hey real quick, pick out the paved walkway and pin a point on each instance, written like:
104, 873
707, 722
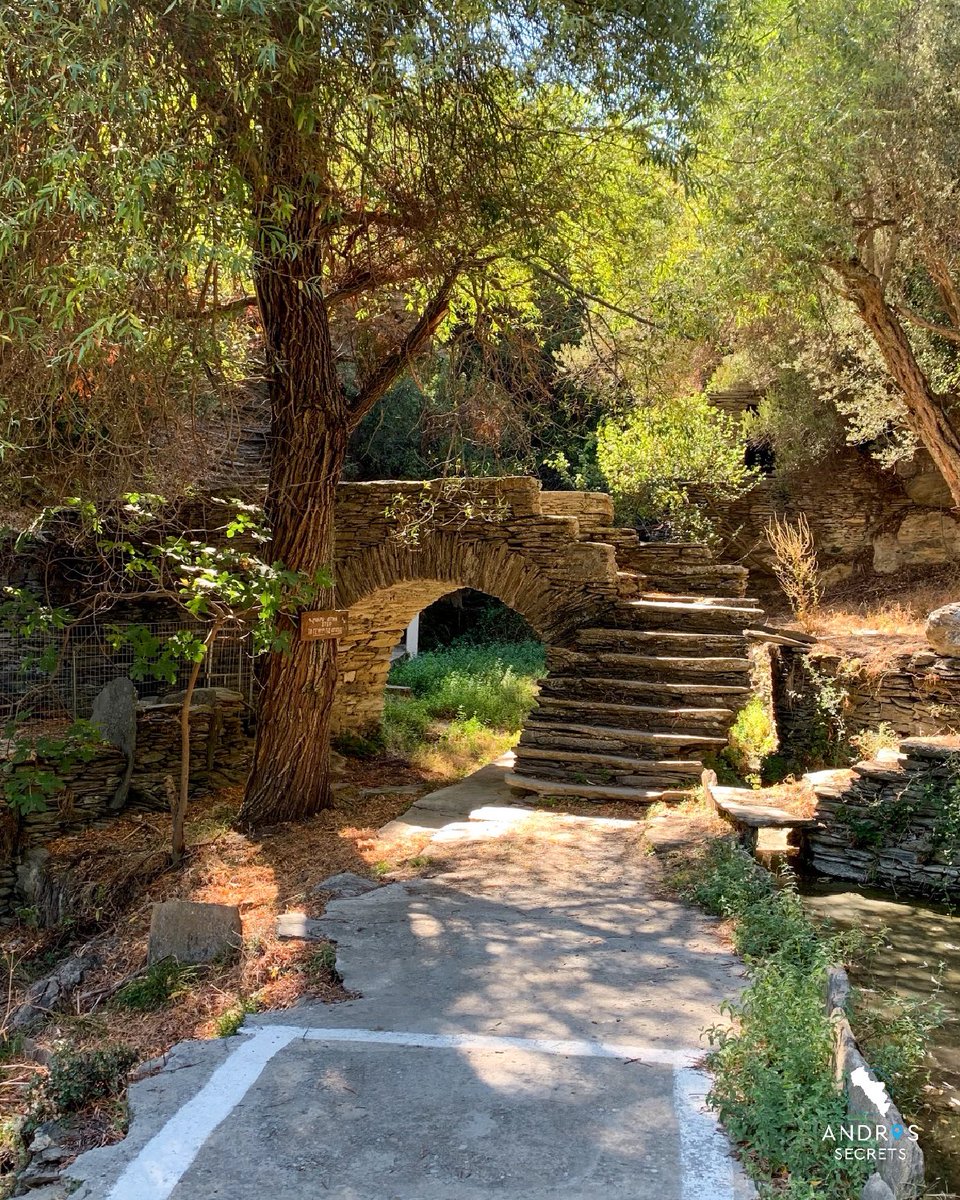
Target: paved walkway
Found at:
528, 1026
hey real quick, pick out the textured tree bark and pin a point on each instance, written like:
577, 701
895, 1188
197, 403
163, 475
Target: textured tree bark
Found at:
926, 407
290, 778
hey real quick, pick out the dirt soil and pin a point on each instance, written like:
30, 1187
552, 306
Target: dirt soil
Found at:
120, 870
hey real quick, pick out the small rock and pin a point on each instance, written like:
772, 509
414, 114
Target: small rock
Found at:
346, 884
876, 1189
943, 630
296, 925
190, 932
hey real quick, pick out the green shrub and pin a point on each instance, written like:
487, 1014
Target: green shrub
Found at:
163, 981
495, 683
753, 736
230, 1020
774, 1086
651, 458
893, 1032
78, 1078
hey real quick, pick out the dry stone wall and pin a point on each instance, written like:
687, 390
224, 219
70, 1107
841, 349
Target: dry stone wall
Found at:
864, 519
893, 822
219, 755
401, 546
825, 693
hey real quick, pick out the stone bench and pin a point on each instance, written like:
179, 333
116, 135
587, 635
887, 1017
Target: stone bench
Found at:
736, 807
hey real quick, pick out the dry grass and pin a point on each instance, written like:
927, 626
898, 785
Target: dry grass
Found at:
263, 876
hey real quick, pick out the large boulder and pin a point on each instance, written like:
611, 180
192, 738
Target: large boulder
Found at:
190, 932
943, 630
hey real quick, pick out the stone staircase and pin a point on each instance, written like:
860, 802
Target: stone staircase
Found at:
633, 702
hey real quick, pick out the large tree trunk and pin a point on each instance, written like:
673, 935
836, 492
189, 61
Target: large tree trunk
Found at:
926, 407
310, 431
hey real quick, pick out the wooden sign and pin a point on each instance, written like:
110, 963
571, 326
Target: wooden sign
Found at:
323, 626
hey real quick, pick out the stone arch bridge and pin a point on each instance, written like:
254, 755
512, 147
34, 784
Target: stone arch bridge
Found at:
646, 657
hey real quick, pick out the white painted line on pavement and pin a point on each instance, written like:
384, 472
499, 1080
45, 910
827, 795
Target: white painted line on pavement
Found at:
580, 1048
163, 1161
706, 1165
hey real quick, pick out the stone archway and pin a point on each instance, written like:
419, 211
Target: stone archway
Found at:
493, 537
646, 658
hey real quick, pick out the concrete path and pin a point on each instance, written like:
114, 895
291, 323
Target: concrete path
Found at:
528, 1025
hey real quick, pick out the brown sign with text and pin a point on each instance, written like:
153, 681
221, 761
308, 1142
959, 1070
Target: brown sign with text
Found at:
323, 626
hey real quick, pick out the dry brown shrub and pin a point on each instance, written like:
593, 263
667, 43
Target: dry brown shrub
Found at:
795, 565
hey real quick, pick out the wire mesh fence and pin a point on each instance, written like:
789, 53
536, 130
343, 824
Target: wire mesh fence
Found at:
58, 675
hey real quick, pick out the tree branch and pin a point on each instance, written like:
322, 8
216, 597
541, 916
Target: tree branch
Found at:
223, 310
944, 331
555, 277
392, 365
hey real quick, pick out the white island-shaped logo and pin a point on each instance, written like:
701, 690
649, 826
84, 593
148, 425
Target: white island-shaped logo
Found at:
873, 1089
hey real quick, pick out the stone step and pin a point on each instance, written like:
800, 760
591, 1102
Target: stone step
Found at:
608, 739
683, 616
653, 592
674, 642
653, 768
721, 580
635, 716
586, 791
610, 687
676, 552
653, 669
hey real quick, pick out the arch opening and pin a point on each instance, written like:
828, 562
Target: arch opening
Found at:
376, 627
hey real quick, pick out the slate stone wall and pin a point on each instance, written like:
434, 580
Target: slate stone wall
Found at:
892, 823
915, 694
219, 755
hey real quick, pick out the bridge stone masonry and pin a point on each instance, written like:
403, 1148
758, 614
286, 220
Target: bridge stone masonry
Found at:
646, 655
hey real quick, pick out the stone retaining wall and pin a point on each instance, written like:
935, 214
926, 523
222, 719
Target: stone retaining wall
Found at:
825, 693
893, 822
219, 755
899, 1173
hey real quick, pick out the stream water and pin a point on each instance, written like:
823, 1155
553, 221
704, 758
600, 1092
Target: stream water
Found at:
922, 941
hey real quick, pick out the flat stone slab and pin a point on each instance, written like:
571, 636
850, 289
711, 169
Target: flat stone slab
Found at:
346, 883
194, 933
759, 816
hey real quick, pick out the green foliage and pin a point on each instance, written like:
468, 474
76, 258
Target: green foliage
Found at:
26, 617
658, 452
162, 982
774, 1086
32, 774
494, 684
831, 159
183, 151
230, 1020
478, 692
894, 1034
887, 820
869, 742
321, 966
79, 1078
753, 736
